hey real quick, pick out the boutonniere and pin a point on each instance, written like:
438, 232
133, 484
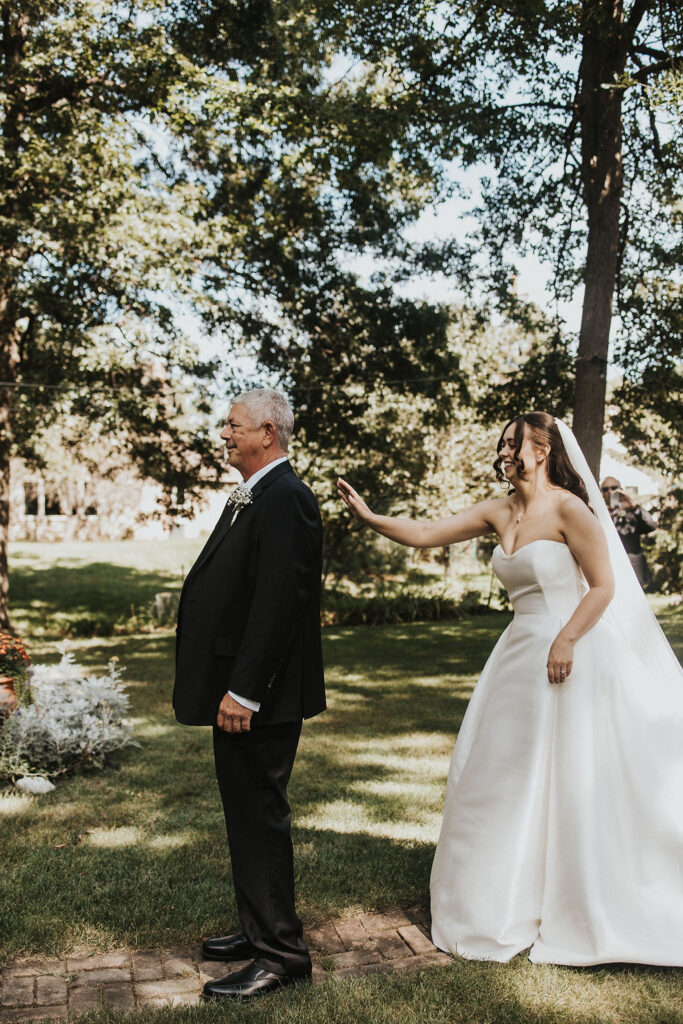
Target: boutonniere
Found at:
239, 499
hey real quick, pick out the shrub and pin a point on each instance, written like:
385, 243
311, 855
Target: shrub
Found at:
664, 549
403, 604
72, 719
87, 624
157, 614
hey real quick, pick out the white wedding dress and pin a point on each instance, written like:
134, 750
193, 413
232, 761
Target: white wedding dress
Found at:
563, 823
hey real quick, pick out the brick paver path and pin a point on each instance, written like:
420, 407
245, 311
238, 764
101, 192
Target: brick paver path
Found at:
123, 980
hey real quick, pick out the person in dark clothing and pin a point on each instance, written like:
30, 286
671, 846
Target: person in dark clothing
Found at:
249, 663
631, 522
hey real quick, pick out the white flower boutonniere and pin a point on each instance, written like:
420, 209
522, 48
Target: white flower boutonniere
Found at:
239, 499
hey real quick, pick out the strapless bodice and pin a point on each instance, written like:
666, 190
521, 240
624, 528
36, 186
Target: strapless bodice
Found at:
541, 578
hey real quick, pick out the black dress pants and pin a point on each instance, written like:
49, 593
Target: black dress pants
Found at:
253, 770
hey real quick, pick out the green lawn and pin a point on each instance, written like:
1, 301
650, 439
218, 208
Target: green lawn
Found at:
460, 993
135, 854
128, 855
53, 584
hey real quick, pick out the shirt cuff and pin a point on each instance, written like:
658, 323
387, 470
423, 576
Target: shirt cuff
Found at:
253, 705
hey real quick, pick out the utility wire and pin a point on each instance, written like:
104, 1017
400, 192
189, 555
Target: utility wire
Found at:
76, 386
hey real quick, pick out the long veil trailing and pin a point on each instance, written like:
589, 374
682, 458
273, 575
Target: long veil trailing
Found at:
629, 610
563, 819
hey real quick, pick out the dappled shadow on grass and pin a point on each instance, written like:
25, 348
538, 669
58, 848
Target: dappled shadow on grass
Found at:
62, 897
137, 852
45, 600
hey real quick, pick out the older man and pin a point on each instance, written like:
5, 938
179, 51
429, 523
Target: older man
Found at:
249, 663
631, 522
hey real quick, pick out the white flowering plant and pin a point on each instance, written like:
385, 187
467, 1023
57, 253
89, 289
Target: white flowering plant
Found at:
74, 718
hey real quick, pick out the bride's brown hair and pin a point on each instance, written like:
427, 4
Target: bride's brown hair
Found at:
543, 431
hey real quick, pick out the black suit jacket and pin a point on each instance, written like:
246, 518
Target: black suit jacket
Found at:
249, 614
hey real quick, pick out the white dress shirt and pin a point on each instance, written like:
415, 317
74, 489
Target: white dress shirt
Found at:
246, 702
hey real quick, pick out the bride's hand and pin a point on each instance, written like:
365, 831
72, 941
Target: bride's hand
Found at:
560, 659
353, 501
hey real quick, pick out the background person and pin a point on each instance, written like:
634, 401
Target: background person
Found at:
631, 522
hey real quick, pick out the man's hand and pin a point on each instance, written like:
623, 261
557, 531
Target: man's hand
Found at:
233, 716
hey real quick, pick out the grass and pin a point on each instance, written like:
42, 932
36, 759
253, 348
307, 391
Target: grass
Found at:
106, 859
460, 993
135, 854
52, 585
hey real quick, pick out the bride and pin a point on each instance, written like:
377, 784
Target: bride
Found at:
563, 821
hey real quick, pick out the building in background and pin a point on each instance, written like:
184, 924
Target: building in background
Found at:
71, 502
638, 482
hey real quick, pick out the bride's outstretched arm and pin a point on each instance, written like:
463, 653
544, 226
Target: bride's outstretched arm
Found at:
474, 522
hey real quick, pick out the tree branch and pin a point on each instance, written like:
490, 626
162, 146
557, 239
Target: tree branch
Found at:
648, 51
671, 63
638, 12
52, 90
547, 104
570, 132
656, 143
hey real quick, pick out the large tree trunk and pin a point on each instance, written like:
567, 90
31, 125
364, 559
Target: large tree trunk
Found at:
8, 371
14, 28
607, 38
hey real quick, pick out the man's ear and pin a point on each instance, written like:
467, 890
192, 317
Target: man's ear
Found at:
269, 436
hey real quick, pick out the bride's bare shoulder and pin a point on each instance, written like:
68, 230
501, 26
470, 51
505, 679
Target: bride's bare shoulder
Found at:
568, 499
498, 510
573, 510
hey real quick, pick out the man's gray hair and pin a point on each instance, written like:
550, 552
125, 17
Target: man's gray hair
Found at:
266, 404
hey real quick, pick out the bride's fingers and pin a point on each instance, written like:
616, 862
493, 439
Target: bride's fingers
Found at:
346, 490
346, 498
350, 502
349, 496
558, 672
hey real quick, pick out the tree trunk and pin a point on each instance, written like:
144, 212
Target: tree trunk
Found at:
605, 48
14, 28
9, 351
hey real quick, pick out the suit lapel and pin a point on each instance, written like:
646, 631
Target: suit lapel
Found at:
216, 533
225, 522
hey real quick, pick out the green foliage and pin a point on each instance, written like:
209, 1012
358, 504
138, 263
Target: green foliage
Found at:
96, 240
400, 602
313, 160
248, 160
408, 454
647, 414
665, 555
525, 92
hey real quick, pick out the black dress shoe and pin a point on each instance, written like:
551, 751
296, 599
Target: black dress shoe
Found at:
248, 983
228, 948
